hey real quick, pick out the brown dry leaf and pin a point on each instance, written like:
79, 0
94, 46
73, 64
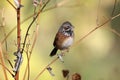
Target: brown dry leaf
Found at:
76, 76
65, 73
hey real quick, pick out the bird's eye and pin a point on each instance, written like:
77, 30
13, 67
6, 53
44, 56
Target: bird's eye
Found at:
67, 27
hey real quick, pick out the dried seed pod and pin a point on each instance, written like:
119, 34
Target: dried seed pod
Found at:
36, 3
76, 76
65, 73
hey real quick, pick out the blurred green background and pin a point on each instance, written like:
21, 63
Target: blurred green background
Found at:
97, 57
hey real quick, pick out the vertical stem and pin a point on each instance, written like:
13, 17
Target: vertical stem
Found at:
18, 36
17, 76
18, 29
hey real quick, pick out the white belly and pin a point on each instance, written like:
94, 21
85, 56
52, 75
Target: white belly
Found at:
67, 43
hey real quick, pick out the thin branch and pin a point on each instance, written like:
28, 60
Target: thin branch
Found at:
15, 28
7, 70
113, 10
92, 31
18, 35
29, 57
10, 63
11, 4
28, 68
55, 6
46, 68
34, 39
97, 20
114, 31
115, 16
6, 45
3, 26
96, 28
32, 24
2, 62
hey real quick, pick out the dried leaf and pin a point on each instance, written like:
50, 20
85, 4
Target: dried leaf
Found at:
76, 76
65, 73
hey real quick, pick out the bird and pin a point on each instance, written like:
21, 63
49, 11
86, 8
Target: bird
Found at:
64, 38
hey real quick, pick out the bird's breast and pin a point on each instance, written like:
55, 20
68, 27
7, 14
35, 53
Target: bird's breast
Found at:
67, 42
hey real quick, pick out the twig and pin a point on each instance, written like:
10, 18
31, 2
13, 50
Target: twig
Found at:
11, 4
46, 68
34, 38
29, 57
91, 31
10, 63
7, 70
28, 68
115, 16
15, 28
97, 28
26, 20
31, 25
18, 36
2, 62
3, 26
113, 10
6, 45
114, 31
97, 20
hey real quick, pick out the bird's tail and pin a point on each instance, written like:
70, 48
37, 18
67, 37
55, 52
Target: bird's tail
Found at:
54, 51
